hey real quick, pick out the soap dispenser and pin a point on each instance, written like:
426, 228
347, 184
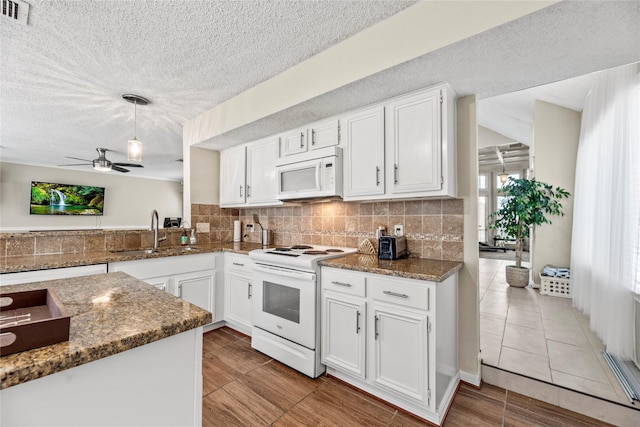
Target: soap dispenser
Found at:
192, 239
184, 239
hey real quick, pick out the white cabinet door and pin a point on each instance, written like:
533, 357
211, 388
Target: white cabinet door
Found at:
325, 134
414, 143
232, 176
364, 154
197, 288
294, 142
343, 333
239, 297
262, 182
400, 351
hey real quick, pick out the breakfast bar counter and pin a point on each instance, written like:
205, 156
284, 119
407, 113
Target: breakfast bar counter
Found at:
127, 340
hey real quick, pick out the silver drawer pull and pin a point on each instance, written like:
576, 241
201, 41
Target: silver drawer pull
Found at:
395, 294
348, 285
238, 264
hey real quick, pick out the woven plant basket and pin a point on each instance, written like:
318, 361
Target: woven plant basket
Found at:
517, 277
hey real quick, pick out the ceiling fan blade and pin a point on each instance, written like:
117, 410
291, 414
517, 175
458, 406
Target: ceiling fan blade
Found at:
119, 169
76, 158
77, 164
128, 165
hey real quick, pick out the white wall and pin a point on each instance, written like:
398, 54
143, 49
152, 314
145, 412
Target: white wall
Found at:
205, 176
555, 147
489, 138
468, 302
128, 200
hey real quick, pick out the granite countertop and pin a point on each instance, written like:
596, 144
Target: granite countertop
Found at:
433, 270
110, 313
15, 264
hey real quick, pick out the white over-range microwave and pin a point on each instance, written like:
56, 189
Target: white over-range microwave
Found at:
316, 174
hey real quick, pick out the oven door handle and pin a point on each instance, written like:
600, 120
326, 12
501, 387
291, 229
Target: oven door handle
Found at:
270, 269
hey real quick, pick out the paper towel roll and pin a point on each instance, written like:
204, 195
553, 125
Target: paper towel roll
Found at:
236, 231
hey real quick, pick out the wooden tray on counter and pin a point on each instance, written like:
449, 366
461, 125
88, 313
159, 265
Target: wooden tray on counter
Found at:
31, 319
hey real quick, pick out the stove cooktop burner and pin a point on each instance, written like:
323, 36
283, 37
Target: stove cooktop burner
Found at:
301, 247
315, 253
282, 249
334, 250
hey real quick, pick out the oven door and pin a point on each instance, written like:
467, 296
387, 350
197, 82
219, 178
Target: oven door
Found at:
284, 303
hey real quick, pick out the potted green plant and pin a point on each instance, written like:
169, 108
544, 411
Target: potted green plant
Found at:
528, 202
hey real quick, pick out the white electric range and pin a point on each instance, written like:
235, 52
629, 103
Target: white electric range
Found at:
286, 304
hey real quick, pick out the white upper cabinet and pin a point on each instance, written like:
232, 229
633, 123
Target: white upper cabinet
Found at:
232, 176
248, 174
261, 171
364, 153
405, 148
312, 137
324, 134
414, 141
294, 142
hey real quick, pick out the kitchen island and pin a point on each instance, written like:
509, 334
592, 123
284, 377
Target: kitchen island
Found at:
134, 357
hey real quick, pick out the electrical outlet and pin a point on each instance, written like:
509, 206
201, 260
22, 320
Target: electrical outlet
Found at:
249, 227
398, 230
202, 227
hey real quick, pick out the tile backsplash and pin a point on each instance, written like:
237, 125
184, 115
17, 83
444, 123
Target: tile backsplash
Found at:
434, 228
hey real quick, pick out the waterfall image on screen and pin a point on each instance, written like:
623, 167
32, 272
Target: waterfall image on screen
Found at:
49, 198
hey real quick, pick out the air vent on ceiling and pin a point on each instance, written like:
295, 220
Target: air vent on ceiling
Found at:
15, 10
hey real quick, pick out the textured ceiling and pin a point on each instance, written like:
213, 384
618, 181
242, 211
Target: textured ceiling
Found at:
62, 75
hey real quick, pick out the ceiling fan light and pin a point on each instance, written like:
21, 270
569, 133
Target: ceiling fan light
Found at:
134, 150
102, 165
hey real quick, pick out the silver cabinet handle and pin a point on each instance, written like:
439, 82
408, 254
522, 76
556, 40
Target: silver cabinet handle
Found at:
348, 285
241, 191
395, 173
313, 137
377, 176
357, 322
180, 291
395, 294
249, 291
248, 191
301, 140
238, 264
376, 327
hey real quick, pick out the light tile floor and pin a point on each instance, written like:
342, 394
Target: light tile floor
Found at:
540, 336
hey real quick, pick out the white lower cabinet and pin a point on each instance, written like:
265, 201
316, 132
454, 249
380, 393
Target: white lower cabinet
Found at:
190, 277
238, 292
51, 274
379, 334
344, 332
400, 351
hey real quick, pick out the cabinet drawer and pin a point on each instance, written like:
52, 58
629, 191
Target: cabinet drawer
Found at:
399, 292
238, 263
344, 281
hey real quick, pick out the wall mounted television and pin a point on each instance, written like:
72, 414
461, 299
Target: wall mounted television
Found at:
49, 198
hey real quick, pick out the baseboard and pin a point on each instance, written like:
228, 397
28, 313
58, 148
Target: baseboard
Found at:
600, 409
470, 378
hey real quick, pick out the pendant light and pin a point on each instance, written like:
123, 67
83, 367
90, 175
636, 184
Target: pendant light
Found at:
134, 147
503, 176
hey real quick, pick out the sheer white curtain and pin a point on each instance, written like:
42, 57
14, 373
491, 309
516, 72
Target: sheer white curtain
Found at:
606, 209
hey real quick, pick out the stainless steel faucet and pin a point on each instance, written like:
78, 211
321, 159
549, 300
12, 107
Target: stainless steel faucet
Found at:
154, 228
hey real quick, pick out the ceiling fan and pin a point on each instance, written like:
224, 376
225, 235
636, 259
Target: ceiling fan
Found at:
102, 164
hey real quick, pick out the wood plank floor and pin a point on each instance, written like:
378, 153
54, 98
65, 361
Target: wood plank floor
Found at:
243, 387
